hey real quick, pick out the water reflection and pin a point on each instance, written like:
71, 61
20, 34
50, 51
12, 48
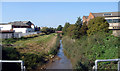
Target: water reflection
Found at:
63, 63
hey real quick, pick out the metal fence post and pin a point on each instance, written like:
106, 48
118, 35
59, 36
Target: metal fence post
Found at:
96, 65
1, 65
22, 66
118, 65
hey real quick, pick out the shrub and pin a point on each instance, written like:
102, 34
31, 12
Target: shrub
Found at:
84, 51
64, 30
97, 24
47, 30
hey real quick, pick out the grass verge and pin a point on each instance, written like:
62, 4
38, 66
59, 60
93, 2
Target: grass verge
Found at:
33, 50
84, 51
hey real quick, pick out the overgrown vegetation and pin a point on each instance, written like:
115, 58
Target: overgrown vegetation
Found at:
34, 51
47, 30
76, 30
97, 24
59, 28
84, 51
90, 43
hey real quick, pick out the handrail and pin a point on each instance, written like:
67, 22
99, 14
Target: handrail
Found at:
106, 60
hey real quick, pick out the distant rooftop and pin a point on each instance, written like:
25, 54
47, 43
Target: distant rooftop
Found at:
18, 23
86, 17
3, 23
105, 14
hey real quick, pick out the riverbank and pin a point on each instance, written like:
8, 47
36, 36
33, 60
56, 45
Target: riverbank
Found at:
33, 50
84, 51
60, 61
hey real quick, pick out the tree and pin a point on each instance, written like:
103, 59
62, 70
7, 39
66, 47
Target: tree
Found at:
47, 30
84, 29
97, 24
71, 31
64, 30
59, 28
79, 21
78, 25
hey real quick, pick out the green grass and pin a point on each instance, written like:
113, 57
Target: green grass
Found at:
32, 50
37, 40
84, 51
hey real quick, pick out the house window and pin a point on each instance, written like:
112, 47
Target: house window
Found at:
116, 20
109, 20
113, 20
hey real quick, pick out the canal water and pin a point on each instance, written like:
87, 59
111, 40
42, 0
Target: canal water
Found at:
62, 63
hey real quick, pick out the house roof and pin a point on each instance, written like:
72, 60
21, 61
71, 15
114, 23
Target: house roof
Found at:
86, 17
3, 23
108, 14
20, 23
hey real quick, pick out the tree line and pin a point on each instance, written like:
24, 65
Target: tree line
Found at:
48, 30
80, 29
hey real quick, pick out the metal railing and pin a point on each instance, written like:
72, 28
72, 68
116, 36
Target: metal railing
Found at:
14, 61
106, 60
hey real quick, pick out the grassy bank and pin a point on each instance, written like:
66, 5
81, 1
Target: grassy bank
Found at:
84, 51
34, 50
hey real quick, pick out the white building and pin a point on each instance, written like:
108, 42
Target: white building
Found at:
18, 26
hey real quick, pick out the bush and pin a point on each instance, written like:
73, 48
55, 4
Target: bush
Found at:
84, 51
32, 60
47, 30
64, 30
9, 53
71, 31
59, 28
97, 24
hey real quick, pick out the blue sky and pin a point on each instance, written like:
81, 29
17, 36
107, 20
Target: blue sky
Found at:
52, 14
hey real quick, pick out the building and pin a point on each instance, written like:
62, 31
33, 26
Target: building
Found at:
85, 18
18, 26
113, 18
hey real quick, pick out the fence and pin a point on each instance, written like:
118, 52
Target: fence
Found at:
14, 61
6, 35
106, 60
16, 34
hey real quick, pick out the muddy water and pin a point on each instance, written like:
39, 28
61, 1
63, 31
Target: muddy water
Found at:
62, 63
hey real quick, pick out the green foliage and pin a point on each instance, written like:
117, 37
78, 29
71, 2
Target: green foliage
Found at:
10, 53
78, 25
84, 29
71, 30
32, 59
97, 24
79, 22
59, 28
84, 51
75, 30
64, 30
47, 30
54, 50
